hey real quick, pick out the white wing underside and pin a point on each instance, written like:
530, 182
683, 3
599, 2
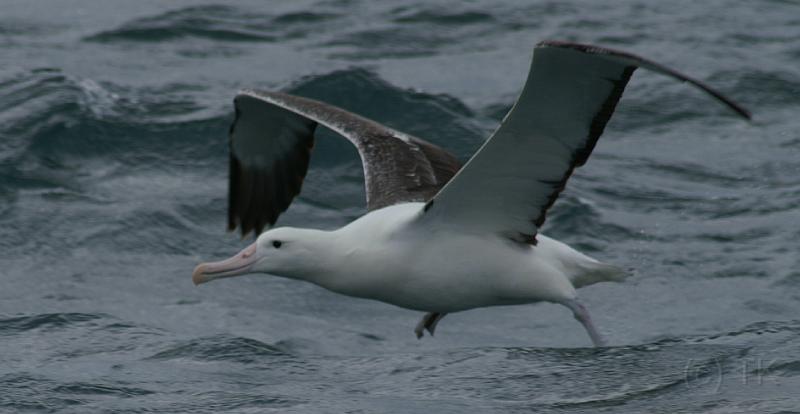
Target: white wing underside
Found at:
570, 94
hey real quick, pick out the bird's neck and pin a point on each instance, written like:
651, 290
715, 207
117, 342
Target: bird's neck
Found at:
332, 259
345, 260
316, 258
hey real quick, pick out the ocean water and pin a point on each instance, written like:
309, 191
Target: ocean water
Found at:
113, 175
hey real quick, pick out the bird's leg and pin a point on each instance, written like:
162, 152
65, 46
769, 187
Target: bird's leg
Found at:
428, 322
582, 316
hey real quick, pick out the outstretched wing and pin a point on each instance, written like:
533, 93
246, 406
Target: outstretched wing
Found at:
270, 146
509, 184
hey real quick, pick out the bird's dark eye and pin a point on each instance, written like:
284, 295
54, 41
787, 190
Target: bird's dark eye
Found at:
276, 244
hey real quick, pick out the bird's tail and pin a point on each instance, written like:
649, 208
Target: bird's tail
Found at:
594, 272
581, 269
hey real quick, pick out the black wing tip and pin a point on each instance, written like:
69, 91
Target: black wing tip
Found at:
648, 64
258, 196
232, 228
245, 230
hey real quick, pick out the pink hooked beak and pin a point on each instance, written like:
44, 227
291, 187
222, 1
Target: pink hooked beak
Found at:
237, 265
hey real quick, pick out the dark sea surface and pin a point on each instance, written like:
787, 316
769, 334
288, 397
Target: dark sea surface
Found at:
113, 185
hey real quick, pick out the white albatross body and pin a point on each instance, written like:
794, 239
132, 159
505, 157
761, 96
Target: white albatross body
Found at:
439, 237
428, 270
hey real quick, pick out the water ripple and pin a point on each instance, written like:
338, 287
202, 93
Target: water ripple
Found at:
21, 324
221, 348
215, 22
82, 388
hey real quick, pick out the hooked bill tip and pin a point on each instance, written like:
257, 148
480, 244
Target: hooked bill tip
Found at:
198, 275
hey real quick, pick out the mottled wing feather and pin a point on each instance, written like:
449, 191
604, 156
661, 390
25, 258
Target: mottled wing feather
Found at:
507, 187
271, 141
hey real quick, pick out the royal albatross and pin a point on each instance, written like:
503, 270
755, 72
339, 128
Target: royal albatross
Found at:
437, 238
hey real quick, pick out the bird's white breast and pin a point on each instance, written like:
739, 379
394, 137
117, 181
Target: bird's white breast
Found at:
389, 258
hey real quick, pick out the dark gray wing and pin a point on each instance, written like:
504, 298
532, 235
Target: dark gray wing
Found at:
507, 187
270, 146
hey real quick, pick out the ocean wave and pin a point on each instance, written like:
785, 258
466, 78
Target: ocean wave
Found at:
441, 17
573, 216
215, 22
25, 391
55, 122
784, 369
221, 348
389, 42
764, 88
755, 335
50, 114
417, 31
85, 388
220, 401
527, 379
52, 110
36, 100
632, 375
19, 28
22, 324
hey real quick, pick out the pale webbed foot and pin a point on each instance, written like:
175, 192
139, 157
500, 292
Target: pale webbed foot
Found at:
428, 322
582, 315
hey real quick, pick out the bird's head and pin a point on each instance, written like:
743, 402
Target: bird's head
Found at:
282, 251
